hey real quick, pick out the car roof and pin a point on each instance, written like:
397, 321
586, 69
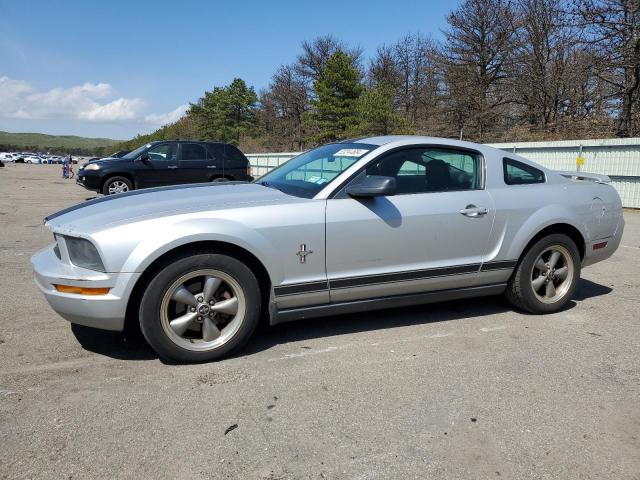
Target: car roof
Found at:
407, 140
187, 140
404, 139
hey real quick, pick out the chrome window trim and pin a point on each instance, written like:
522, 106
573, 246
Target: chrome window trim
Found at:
332, 191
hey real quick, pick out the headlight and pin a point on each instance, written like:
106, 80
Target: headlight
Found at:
92, 166
83, 253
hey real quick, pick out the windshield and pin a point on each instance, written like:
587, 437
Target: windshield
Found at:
307, 174
134, 154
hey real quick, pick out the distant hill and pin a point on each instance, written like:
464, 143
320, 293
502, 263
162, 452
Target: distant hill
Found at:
41, 141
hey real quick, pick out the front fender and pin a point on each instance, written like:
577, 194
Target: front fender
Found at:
160, 238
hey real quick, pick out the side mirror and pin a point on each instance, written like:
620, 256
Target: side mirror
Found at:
373, 186
144, 158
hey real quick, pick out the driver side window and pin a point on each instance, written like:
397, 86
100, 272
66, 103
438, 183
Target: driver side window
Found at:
165, 152
429, 169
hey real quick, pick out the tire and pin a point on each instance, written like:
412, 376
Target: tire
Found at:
220, 179
206, 330
528, 288
116, 185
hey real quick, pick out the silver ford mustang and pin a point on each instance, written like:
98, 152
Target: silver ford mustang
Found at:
365, 224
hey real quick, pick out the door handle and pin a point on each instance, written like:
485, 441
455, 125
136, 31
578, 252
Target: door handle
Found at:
212, 166
172, 167
473, 211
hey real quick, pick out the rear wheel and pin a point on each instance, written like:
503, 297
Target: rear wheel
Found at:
546, 277
116, 185
200, 308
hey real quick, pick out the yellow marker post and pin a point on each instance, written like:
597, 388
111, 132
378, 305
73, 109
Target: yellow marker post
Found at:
580, 159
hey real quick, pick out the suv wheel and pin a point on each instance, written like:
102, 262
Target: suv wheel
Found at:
200, 308
116, 185
547, 275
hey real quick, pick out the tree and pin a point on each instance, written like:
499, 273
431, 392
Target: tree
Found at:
478, 53
414, 56
316, 53
376, 113
383, 68
544, 49
226, 113
336, 92
613, 29
282, 109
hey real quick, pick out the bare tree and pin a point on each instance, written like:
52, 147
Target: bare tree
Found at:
478, 52
383, 69
315, 54
544, 46
613, 29
283, 107
414, 56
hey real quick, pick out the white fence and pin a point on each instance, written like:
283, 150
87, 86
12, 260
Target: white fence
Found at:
619, 158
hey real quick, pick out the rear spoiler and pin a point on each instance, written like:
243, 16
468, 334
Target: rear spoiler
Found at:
589, 177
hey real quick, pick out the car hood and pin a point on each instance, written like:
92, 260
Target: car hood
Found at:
105, 212
105, 161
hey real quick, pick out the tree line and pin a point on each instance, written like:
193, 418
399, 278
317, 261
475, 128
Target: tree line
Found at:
505, 70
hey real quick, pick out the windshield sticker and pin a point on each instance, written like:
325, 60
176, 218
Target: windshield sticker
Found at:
350, 152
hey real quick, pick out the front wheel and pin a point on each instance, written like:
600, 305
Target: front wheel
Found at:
546, 277
200, 308
115, 185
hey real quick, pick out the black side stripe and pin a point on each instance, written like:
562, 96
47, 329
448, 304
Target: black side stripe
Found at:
500, 265
298, 288
403, 276
351, 282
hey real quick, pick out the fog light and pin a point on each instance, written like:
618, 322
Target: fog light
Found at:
81, 290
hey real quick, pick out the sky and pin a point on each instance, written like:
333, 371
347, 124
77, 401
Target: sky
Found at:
115, 68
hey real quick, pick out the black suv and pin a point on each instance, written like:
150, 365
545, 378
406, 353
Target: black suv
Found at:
165, 163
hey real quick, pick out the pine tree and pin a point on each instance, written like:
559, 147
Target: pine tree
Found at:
376, 113
336, 90
226, 113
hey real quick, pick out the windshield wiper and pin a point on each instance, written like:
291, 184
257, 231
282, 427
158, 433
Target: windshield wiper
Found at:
266, 184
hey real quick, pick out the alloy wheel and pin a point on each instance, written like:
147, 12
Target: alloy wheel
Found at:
202, 310
118, 187
552, 274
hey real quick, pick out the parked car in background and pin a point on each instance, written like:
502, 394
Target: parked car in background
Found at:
33, 159
165, 163
380, 222
8, 157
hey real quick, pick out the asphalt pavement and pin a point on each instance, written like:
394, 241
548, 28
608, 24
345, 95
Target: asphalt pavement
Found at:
469, 389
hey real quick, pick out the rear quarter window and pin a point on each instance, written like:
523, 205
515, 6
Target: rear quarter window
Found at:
235, 157
518, 173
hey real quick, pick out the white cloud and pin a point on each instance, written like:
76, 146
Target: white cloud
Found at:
18, 99
89, 104
120, 109
160, 119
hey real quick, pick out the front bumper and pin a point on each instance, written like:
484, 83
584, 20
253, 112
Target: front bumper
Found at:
106, 312
89, 180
